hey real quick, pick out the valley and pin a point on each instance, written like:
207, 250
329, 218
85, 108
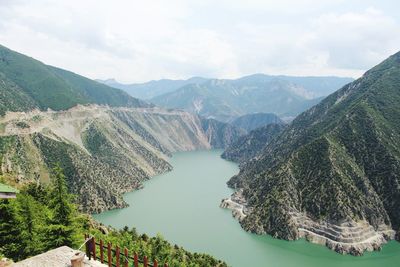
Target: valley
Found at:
104, 151
186, 212
315, 168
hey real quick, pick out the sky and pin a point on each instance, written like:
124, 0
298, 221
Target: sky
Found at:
137, 41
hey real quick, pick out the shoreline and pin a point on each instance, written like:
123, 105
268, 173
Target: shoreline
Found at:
353, 238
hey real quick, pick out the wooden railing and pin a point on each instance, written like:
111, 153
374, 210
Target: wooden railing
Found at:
115, 257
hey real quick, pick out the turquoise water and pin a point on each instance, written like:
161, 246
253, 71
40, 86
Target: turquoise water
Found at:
183, 205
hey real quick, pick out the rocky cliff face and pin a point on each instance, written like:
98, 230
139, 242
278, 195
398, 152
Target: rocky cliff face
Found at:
104, 151
333, 174
250, 145
221, 134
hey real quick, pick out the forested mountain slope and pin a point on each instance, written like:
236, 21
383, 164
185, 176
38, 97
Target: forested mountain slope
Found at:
26, 83
333, 175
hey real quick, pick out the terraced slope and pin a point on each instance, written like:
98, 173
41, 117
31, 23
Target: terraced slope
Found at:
336, 166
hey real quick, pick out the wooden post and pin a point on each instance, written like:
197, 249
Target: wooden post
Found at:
135, 260
117, 257
165, 265
155, 263
101, 251
87, 245
109, 255
126, 257
77, 259
94, 248
145, 263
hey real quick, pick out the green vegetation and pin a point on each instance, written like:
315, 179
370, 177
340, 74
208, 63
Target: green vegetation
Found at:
156, 248
39, 219
22, 125
26, 83
44, 217
338, 161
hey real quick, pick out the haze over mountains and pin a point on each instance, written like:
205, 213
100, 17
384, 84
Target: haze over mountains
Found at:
253, 121
333, 174
226, 100
152, 89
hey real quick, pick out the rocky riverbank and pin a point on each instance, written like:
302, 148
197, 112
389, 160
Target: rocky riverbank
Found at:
237, 203
348, 237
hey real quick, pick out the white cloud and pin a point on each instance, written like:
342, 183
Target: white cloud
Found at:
356, 40
143, 40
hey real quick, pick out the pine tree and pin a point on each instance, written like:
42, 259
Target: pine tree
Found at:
29, 223
10, 233
61, 228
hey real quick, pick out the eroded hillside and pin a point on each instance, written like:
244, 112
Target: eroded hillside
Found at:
104, 151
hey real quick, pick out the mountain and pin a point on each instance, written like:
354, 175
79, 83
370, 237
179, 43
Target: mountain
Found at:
26, 83
153, 88
104, 151
314, 86
226, 100
333, 174
219, 134
249, 146
250, 122
106, 141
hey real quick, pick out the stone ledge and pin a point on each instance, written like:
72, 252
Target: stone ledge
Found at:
59, 257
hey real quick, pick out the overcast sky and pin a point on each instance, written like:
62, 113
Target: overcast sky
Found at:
137, 41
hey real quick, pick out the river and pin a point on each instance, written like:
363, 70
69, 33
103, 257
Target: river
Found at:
183, 205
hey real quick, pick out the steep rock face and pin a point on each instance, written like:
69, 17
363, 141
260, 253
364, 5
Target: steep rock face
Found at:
337, 164
220, 134
104, 151
253, 121
250, 145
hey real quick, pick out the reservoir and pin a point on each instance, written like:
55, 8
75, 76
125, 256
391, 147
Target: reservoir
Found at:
183, 206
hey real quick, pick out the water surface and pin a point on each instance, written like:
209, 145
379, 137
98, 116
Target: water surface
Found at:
183, 205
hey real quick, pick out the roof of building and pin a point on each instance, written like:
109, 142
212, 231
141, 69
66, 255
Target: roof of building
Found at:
7, 189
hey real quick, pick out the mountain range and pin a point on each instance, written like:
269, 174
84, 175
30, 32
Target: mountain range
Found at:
152, 89
333, 174
225, 100
106, 141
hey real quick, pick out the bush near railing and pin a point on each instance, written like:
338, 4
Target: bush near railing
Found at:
115, 257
